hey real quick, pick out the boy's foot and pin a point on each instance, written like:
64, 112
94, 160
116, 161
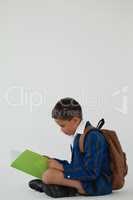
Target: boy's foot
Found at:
55, 191
37, 185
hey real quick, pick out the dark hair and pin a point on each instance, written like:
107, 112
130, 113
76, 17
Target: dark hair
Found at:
66, 109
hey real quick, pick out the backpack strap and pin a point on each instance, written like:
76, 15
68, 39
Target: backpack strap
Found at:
88, 128
100, 123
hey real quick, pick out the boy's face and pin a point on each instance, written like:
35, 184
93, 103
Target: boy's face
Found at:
68, 126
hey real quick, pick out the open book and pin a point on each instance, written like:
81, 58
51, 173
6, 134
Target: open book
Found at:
31, 163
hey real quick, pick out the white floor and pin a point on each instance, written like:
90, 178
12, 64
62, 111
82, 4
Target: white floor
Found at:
14, 186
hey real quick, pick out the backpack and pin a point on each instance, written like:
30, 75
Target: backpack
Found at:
118, 160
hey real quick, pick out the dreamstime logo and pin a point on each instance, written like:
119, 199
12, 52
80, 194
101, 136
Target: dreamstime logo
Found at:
19, 96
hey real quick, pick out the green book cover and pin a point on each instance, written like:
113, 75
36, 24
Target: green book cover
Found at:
31, 163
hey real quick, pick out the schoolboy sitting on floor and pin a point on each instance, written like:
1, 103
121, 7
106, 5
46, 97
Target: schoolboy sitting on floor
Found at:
90, 172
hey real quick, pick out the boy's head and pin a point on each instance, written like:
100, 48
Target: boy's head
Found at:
68, 115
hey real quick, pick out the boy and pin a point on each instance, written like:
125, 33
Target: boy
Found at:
88, 173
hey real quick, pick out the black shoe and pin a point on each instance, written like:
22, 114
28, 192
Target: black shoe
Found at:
51, 190
57, 191
37, 185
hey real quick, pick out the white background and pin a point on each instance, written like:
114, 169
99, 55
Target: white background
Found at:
51, 49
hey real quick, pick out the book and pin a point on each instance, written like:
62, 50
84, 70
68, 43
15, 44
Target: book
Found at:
31, 163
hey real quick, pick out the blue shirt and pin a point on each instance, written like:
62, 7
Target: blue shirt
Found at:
91, 168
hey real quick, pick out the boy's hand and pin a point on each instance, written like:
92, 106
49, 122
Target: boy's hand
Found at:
54, 164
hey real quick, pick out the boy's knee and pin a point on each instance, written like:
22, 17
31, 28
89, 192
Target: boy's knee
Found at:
47, 176
52, 176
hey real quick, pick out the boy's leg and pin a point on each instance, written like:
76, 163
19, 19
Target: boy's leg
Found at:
53, 176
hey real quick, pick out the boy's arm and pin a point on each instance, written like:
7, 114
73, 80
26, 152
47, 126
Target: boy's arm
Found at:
54, 164
93, 157
89, 169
